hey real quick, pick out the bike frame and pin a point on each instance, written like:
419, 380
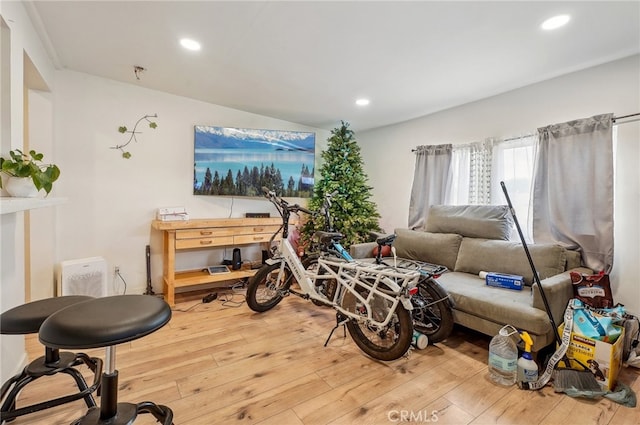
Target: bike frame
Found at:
350, 277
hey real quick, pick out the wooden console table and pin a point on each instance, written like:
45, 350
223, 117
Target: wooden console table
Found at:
208, 233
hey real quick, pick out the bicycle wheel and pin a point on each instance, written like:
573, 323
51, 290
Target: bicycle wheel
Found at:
264, 290
431, 312
383, 343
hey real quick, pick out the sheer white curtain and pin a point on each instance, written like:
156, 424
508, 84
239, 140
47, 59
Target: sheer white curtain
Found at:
513, 163
480, 175
471, 173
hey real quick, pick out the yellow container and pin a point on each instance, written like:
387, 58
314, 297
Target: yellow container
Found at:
603, 359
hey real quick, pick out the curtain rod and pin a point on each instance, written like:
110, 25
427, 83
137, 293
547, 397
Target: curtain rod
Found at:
625, 116
614, 119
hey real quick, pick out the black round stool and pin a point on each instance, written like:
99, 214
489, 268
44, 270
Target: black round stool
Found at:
27, 319
105, 322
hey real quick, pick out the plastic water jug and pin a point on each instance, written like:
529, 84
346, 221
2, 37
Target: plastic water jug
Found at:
503, 357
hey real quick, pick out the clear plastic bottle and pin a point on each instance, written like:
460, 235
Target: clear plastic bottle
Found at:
503, 357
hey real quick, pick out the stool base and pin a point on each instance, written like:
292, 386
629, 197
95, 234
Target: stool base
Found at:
126, 414
50, 364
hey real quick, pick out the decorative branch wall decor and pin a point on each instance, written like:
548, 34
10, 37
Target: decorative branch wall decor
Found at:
123, 129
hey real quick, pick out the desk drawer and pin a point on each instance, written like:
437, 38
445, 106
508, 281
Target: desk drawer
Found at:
204, 242
257, 238
251, 230
205, 232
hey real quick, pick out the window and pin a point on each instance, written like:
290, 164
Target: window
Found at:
478, 169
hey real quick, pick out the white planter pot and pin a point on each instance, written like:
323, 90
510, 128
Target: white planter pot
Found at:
21, 187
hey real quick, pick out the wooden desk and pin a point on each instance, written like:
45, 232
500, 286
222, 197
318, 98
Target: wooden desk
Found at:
208, 233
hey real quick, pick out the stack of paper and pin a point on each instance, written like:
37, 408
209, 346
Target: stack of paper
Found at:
172, 214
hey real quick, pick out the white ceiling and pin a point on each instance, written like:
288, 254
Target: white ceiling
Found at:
308, 61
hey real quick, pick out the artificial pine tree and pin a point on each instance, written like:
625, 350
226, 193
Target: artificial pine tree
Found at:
353, 213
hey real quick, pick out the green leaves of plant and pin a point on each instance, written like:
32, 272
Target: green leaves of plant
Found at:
30, 165
123, 129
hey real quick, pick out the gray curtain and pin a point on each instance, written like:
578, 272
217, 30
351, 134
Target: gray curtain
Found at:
431, 181
573, 188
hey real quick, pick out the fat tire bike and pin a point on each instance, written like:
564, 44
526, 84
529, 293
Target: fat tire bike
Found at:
432, 311
371, 300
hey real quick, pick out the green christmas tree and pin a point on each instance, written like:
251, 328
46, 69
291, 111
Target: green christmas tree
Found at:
353, 213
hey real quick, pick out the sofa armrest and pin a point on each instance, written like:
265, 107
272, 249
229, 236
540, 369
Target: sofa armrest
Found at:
558, 290
362, 250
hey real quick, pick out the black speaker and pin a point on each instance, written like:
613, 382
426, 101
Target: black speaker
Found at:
237, 261
265, 256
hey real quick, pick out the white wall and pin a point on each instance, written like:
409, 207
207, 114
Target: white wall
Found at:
42, 232
19, 38
612, 87
113, 200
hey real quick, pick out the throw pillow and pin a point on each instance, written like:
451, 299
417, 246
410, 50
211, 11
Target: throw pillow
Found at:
487, 255
435, 248
473, 221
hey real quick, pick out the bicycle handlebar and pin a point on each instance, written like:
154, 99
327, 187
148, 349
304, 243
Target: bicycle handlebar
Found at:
282, 204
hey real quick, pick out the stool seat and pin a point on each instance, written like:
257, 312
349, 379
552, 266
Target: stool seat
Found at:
106, 321
27, 318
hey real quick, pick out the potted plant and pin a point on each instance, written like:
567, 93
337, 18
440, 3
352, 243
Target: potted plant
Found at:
26, 170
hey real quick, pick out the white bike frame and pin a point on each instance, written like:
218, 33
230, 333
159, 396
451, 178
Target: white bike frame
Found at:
350, 276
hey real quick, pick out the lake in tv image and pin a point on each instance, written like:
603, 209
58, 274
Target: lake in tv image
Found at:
239, 162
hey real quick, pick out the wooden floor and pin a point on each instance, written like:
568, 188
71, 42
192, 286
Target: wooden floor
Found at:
224, 364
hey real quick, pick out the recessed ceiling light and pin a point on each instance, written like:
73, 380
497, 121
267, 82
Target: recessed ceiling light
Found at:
362, 102
555, 22
189, 44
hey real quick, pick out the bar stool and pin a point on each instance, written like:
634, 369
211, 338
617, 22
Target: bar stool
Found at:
27, 319
106, 322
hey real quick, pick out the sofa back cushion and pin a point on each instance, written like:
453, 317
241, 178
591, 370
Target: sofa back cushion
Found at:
478, 255
436, 248
473, 221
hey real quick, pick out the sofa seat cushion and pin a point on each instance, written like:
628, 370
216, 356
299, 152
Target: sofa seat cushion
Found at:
474, 221
504, 306
478, 255
435, 248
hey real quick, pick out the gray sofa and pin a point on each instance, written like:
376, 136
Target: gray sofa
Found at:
469, 239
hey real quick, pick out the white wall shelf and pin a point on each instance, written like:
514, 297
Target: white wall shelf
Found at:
11, 205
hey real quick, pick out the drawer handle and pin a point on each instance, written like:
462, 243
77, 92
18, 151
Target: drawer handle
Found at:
258, 238
206, 242
258, 229
206, 233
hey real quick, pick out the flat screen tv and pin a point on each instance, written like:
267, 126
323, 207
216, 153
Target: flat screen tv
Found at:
232, 161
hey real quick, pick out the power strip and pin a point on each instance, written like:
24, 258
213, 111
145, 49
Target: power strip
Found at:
210, 297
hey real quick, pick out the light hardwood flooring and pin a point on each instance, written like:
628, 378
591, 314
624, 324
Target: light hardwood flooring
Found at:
224, 364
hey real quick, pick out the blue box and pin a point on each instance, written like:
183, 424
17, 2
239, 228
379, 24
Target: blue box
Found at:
508, 281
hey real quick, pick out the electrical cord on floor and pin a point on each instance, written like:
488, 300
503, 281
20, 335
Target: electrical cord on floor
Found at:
236, 289
188, 309
226, 299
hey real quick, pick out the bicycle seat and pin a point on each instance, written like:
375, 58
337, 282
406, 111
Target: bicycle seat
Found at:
326, 237
386, 240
